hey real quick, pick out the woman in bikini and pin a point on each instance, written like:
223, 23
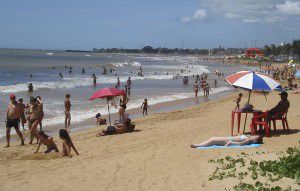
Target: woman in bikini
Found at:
67, 143
226, 141
46, 140
123, 106
34, 118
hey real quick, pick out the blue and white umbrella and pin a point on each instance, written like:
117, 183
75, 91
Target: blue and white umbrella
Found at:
253, 81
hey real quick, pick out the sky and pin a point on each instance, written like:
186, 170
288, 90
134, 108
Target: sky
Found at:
87, 24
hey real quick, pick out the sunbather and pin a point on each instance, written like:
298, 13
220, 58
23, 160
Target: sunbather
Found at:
226, 141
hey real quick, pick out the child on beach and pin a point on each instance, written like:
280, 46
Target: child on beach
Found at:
67, 143
145, 107
46, 140
238, 100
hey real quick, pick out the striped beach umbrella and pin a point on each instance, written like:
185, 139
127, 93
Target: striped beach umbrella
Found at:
253, 81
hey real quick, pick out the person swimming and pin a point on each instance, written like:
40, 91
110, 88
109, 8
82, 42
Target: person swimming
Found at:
226, 141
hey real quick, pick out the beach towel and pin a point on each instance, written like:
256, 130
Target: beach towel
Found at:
230, 146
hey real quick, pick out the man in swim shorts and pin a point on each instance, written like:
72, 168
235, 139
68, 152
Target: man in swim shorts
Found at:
13, 119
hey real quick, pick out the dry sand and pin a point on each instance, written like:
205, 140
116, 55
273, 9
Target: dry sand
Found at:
156, 157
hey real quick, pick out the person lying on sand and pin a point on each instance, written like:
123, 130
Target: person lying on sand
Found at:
67, 143
123, 126
226, 141
46, 140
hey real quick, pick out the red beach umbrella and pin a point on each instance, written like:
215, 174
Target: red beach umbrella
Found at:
107, 93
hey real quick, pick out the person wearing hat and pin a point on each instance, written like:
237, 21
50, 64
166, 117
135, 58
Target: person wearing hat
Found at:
281, 107
13, 119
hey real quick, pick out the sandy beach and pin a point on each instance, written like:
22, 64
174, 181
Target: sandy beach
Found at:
157, 156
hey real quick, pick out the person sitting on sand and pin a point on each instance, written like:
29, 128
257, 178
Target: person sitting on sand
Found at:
238, 100
67, 143
123, 126
99, 120
46, 140
226, 141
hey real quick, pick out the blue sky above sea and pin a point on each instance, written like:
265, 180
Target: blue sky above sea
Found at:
85, 24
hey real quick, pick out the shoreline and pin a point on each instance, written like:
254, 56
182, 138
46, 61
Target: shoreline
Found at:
135, 113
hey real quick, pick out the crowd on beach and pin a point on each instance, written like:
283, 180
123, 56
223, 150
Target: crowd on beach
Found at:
18, 114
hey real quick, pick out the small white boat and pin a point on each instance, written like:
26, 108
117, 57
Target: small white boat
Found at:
49, 53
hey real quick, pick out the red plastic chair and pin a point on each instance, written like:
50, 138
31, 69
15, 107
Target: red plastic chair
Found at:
280, 117
261, 120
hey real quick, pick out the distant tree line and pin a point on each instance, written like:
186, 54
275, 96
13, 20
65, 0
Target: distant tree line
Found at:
151, 50
286, 49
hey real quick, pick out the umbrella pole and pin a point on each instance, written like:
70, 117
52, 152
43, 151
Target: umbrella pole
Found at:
246, 113
108, 112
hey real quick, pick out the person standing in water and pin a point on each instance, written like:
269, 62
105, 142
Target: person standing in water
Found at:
145, 107
30, 87
118, 82
196, 88
128, 85
68, 106
94, 79
13, 119
83, 71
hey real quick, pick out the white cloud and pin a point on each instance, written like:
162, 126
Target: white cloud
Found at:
289, 8
251, 11
198, 15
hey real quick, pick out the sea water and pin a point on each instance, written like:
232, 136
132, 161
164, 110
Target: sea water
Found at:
156, 84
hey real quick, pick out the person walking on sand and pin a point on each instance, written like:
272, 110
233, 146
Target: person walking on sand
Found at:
196, 88
34, 118
22, 110
145, 107
68, 106
13, 119
207, 90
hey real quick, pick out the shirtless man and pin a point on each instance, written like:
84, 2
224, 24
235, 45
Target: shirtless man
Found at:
67, 111
13, 119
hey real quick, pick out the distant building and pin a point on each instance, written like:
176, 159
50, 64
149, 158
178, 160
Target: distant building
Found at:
254, 52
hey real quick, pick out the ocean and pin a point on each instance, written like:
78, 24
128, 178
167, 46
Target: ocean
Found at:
157, 84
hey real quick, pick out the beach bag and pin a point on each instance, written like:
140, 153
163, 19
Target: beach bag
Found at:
247, 108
